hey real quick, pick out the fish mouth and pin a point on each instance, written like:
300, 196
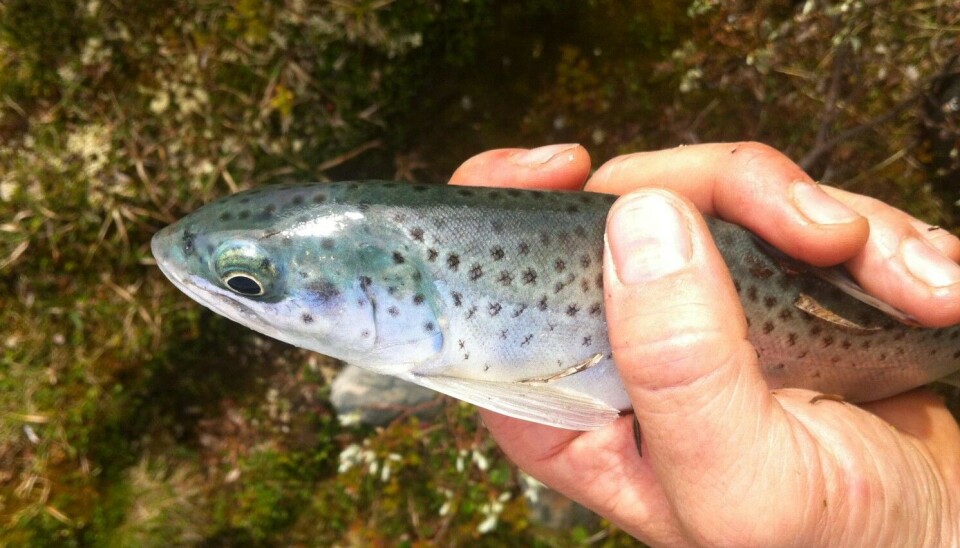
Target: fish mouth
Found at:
200, 289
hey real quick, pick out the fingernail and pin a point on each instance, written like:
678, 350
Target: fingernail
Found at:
928, 264
543, 155
818, 206
648, 238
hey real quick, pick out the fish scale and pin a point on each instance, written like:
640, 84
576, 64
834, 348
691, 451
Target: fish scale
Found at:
495, 296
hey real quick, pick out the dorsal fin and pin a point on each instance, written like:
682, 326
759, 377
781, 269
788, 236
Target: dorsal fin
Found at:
841, 280
837, 277
809, 305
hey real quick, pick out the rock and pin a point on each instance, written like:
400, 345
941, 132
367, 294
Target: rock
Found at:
361, 396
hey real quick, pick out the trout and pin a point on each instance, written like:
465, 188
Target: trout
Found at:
495, 296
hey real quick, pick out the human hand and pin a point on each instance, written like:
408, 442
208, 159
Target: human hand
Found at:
725, 460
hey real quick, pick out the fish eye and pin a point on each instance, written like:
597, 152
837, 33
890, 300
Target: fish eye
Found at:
246, 269
244, 284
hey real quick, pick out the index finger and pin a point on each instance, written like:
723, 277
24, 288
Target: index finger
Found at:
752, 185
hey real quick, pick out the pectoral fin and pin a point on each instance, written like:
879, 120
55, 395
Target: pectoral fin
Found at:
536, 402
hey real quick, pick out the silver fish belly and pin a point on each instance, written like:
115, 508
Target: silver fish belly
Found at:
495, 296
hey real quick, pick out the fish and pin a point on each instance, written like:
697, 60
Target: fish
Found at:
495, 296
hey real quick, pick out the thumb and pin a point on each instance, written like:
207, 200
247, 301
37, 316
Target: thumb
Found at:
679, 339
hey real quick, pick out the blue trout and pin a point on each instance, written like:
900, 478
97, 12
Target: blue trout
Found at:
495, 296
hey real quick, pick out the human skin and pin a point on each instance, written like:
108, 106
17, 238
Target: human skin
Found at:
727, 461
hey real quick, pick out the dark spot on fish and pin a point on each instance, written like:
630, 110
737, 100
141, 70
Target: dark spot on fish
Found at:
417, 234
503, 333
494, 309
752, 293
956, 354
297, 200
453, 261
883, 357
816, 374
827, 341
526, 340
361, 303
428, 327
327, 243
954, 335
542, 304
457, 298
189, 242
899, 335
497, 253
791, 339
573, 208
365, 333
866, 344
595, 309
785, 314
517, 311
559, 265
933, 351
464, 192
466, 356
587, 340
432, 255
494, 194
816, 330
760, 272
585, 285
937, 334
529, 276
584, 261
471, 312
420, 188
245, 214
307, 318
416, 276
749, 323
736, 285
513, 192
845, 344
245, 200
558, 287
393, 311
365, 282
353, 186
769, 301
580, 231
398, 258
418, 299
475, 272
767, 327
779, 366
319, 198
392, 290
461, 344
544, 238
265, 264
572, 310
523, 248
486, 367
497, 227
225, 216
323, 290
598, 281
505, 278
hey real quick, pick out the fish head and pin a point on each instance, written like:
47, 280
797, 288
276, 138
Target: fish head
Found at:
314, 275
